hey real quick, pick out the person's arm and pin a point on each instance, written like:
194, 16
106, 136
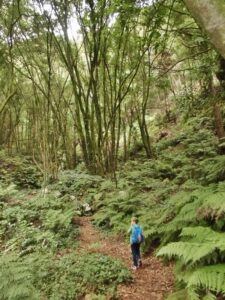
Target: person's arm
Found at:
129, 230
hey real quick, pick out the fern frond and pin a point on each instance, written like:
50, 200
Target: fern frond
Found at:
209, 296
197, 231
184, 294
205, 235
213, 206
203, 243
16, 280
189, 253
209, 277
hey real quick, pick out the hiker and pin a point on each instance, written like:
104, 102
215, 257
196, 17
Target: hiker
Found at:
136, 238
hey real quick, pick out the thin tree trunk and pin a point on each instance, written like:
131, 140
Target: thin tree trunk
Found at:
218, 121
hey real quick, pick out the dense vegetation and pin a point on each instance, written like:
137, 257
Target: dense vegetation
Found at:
116, 106
180, 201
39, 257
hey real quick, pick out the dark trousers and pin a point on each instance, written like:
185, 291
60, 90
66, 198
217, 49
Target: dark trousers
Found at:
135, 249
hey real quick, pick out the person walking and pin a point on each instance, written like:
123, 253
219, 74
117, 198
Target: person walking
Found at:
136, 238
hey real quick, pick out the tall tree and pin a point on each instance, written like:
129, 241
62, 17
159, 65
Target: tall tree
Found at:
210, 14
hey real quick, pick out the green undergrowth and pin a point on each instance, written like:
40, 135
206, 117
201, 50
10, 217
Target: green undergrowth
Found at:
39, 259
31, 222
77, 186
179, 199
43, 276
19, 170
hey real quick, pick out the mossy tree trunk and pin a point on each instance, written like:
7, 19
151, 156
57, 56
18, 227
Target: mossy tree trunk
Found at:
210, 15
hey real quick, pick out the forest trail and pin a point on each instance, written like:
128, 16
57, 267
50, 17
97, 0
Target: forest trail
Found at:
152, 282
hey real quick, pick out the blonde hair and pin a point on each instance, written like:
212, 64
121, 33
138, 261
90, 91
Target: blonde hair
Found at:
134, 219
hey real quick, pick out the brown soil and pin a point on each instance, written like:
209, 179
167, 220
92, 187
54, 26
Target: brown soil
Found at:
151, 282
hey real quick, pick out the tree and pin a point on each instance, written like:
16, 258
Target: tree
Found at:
210, 14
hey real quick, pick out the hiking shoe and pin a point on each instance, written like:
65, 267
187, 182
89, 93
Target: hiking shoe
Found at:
134, 268
139, 264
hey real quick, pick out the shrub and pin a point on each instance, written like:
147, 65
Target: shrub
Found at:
37, 223
71, 276
76, 184
20, 171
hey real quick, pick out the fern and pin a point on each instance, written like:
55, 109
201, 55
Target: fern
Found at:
75, 183
212, 170
203, 244
189, 253
209, 277
184, 294
190, 294
15, 280
209, 296
58, 219
45, 276
213, 207
202, 234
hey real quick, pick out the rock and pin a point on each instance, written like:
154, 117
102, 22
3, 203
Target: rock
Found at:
86, 207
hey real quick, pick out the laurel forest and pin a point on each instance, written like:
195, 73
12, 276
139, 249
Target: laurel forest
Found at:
111, 109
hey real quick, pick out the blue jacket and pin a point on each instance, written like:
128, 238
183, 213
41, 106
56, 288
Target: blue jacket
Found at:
135, 231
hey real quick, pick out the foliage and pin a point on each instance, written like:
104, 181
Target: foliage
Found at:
69, 276
77, 184
100, 96
20, 171
200, 257
212, 170
7, 192
36, 223
39, 258
179, 199
16, 279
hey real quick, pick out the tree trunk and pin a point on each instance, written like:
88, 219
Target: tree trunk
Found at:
210, 15
218, 121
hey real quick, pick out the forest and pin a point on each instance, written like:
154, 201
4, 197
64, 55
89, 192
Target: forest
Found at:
112, 109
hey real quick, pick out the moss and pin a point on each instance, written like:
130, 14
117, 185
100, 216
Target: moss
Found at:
210, 14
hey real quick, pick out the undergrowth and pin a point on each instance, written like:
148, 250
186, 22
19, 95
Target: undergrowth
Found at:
20, 171
37, 223
42, 276
39, 259
179, 199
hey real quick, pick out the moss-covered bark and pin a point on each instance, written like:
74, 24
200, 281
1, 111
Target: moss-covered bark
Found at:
210, 14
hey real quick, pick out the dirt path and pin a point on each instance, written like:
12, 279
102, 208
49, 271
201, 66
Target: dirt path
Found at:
152, 282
